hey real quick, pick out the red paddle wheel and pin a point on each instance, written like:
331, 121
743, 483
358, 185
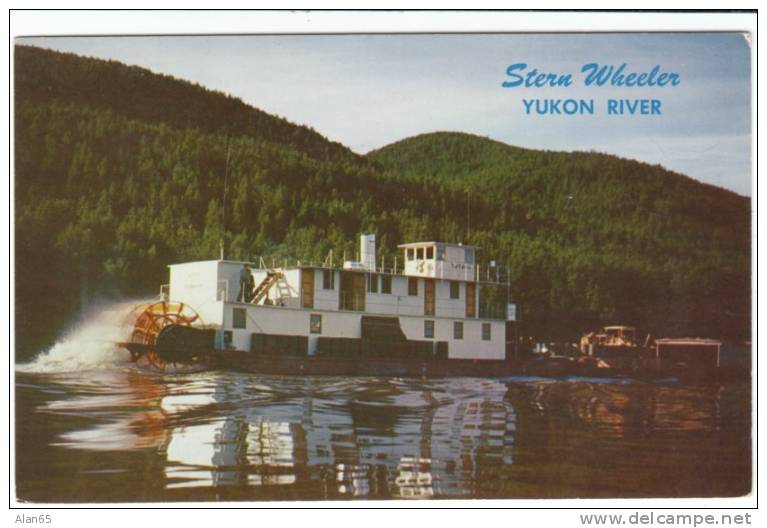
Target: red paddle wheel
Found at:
149, 322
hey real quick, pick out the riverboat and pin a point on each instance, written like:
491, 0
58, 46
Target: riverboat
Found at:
429, 313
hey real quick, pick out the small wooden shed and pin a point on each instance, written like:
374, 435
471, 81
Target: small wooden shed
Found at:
692, 352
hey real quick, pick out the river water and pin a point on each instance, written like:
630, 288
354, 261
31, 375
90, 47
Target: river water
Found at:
105, 431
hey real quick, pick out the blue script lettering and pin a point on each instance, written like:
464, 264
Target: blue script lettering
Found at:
613, 76
534, 78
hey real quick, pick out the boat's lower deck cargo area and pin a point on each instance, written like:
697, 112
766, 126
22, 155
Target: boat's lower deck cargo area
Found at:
347, 348
276, 344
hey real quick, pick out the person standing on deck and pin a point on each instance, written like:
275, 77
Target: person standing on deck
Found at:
246, 284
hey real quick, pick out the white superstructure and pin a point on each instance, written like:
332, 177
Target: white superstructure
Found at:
436, 298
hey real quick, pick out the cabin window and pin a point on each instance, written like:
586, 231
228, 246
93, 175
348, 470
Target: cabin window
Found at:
455, 290
412, 286
486, 331
430, 253
238, 318
457, 330
419, 253
373, 283
468, 255
315, 323
440, 253
410, 253
328, 280
386, 284
428, 329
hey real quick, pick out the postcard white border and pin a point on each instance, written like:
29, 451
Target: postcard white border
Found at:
38, 23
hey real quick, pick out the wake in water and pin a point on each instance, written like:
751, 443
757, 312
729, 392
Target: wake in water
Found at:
90, 344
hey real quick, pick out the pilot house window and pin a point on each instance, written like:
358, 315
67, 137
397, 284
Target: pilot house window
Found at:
430, 253
419, 253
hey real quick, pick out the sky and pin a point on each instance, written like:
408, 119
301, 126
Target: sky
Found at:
366, 91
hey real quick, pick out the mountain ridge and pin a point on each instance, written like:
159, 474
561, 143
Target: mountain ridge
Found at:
441, 135
177, 102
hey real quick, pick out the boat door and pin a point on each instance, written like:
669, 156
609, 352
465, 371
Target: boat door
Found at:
428, 297
352, 291
471, 299
307, 287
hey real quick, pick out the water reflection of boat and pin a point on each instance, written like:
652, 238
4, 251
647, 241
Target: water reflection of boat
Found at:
400, 440
131, 430
230, 436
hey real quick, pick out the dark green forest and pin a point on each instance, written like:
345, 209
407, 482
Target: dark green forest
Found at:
120, 171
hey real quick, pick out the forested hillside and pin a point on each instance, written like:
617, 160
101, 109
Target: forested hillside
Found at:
120, 172
593, 237
43, 76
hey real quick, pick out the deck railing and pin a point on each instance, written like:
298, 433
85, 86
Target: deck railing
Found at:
487, 273
495, 290
377, 303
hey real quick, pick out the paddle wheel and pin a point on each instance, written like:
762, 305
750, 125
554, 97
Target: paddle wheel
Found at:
150, 322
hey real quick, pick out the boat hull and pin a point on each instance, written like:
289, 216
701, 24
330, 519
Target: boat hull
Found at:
436, 368
273, 364
322, 366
